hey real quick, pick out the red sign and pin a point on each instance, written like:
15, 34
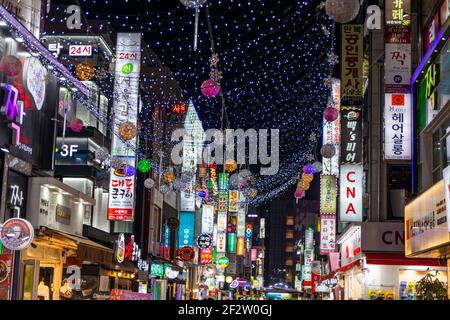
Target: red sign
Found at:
117, 294
398, 35
6, 265
206, 256
431, 32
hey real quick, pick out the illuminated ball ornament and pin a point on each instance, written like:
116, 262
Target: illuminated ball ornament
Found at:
342, 11
165, 188
177, 184
85, 71
308, 177
149, 183
328, 151
230, 165
234, 180
130, 171
202, 172
115, 162
169, 176
317, 166
331, 114
144, 165
308, 169
76, 125
299, 193
202, 194
210, 88
101, 154
127, 131
192, 3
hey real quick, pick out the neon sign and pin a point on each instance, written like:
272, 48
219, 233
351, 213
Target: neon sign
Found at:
13, 109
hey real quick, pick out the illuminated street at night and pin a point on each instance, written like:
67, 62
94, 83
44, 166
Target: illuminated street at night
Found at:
236, 152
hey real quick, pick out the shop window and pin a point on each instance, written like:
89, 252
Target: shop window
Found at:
437, 153
83, 185
289, 234
289, 247
399, 190
289, 220
289, 262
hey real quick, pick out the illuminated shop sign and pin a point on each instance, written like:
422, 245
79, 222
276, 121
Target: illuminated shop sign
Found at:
351, 135
352, 85
397, 126
398, 12
186, 231
351, 193
328, 194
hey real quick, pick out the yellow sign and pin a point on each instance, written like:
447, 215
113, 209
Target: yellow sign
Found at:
328, 194
352, 60
398, 12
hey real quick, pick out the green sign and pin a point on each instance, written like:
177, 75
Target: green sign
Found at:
223, 262
223, 181
231, 242
127, 68
157, 270
1, 247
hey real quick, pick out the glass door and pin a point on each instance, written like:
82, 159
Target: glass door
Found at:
30, 279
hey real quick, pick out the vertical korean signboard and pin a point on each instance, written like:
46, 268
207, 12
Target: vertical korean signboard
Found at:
351, 135
397, 126
332, 133
351, 193
328, 209
222, 221
208, 219
125, 109
186, 231
328, 194
352, 86
398, 67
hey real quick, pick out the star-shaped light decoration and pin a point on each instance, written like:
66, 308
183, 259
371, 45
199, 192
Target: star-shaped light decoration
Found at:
333, 58
321, 5
325, 30
312, 137
216, 75
310, 157
328, 81
214, 60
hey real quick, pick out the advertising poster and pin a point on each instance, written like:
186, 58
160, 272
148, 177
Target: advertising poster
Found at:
328, 194
397, 126
207, 219
327, 233
351, 193
121, 196
234, 201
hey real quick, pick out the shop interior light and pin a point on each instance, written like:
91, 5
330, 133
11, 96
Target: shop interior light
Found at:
19, 39
3, 23
132, 276
119, 274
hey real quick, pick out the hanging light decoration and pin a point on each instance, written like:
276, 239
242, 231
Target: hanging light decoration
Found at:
85, 71
328, 151
115, 162
76, 125
210, 88
234, 180
202, 171
194, 4
230, 165
331, 114
149, 183
127, 131
165, 189
144, 165
169, 176
342, 11
101, 154
298, 194
317, 166
130, 171
177, 184
308, 168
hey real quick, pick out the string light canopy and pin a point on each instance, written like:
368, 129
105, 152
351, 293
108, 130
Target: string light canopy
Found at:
273, 57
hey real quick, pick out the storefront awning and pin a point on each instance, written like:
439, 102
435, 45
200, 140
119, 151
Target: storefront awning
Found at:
161, 260
397, 259
87, 250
